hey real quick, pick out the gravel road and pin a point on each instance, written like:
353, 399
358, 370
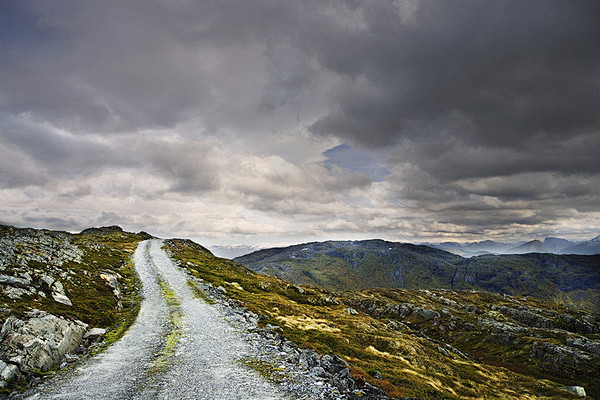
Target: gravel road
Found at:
179, 348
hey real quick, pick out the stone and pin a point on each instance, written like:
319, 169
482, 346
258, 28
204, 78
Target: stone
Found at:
344, 381
318, 371
16, 282
94, 334
351, 311
113, 282
222, 290
17, 360
13, 292
46, 282
426, 313
57, 287
9, 372
39, 355
61, 298
576, 390
298, 289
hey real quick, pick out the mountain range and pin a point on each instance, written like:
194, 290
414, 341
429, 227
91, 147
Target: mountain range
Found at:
549, 245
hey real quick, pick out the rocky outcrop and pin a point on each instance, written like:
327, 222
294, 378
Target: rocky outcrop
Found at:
37, 343
559, 358
31, 263
576, 390
19, 247
555, 342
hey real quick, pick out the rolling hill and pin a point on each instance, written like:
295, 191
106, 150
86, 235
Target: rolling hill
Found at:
353, 265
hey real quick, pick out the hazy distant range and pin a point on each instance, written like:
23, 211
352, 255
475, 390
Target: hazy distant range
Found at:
548, 245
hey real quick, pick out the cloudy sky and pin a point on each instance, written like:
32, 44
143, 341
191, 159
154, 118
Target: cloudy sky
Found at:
266, 122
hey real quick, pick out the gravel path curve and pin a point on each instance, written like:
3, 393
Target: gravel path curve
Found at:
178, 348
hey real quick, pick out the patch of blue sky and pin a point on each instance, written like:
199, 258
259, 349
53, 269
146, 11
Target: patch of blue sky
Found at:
355, 160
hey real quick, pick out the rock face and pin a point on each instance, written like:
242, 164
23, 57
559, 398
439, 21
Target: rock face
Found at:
39, 342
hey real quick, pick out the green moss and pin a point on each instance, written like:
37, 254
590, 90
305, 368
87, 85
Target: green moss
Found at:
268, 370
175, 319
199, 293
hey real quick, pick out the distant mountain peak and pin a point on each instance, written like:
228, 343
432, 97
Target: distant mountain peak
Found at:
533, 246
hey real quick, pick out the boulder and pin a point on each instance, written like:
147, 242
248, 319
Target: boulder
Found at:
39, 356
222, 290
46, 282
42, 341
298, 289
351, 311
343, 380
113, 282
426, 313
57, 287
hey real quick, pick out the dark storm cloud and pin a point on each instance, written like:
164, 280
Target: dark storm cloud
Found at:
449, 158
116, 66
492, 72
105, 67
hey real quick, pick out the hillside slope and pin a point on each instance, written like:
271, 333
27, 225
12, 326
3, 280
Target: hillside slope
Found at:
430, 344
343, 265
